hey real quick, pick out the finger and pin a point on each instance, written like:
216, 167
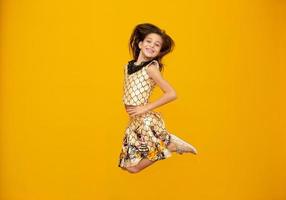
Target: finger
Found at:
130, 109
131, 112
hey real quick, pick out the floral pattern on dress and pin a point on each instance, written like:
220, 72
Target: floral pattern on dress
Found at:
145, 137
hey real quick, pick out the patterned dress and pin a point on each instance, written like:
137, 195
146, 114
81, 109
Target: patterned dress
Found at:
145, 135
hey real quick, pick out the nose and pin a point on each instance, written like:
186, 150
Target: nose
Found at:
151, 45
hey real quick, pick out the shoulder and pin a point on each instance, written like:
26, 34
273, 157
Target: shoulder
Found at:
153, 65
153, 70
125, 66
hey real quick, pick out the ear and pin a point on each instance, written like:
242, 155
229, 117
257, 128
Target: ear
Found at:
140, 44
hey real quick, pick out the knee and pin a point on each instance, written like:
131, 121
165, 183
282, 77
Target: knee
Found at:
133, 170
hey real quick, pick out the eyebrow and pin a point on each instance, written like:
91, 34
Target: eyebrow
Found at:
151, 38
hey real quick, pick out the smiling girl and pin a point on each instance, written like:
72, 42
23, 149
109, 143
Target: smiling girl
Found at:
146, 139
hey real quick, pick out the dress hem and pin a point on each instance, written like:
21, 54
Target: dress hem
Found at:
167, 154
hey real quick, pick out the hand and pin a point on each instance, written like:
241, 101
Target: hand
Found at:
136, 110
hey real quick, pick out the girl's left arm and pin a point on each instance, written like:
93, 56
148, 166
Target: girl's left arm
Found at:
169, 92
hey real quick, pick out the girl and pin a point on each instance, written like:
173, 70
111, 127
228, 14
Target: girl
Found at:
146, 138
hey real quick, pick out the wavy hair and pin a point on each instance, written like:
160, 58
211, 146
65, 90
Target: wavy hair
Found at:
141, 31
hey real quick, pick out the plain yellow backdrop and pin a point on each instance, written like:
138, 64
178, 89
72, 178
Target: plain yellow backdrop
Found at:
63, 120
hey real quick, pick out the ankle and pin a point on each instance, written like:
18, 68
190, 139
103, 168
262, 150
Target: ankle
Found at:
172, 147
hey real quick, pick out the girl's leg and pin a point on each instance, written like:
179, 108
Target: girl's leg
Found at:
172, 147
146, 162
140, 166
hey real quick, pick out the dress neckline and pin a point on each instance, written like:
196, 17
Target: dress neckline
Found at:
132, 67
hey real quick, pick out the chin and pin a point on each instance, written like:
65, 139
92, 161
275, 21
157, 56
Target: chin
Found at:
147, 55
150, 56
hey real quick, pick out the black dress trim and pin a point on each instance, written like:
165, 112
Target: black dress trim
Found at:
132, 67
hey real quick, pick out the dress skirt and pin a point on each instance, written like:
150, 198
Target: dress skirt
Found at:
145, 137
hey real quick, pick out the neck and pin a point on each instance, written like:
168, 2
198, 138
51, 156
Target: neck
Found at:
141, 58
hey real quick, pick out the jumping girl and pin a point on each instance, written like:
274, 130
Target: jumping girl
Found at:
146, 139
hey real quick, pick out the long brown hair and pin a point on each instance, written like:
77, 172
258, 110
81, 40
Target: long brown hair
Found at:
141, 31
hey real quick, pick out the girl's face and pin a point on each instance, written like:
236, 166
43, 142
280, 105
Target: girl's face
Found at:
151, 45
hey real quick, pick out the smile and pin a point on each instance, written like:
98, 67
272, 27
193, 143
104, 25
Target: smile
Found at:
150, 50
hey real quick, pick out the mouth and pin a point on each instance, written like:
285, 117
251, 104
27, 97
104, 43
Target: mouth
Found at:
150, 50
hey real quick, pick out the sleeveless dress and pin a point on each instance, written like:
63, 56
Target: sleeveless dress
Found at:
145, 134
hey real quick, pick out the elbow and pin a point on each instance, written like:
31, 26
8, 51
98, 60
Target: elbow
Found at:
173, 95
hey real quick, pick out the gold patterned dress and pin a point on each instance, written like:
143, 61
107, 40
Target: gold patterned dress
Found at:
145, 135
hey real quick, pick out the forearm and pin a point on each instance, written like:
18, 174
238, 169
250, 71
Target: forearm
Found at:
165, 98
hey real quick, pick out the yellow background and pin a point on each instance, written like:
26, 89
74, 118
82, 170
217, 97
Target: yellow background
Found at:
62, 118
